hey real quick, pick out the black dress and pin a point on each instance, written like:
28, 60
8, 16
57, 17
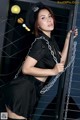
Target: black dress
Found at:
23, 93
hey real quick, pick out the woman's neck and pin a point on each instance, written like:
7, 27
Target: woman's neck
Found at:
47, 33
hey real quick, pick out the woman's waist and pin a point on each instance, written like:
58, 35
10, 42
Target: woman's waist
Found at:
41, 78
34, 78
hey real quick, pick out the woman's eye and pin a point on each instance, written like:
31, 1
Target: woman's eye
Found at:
46, 17
43, 18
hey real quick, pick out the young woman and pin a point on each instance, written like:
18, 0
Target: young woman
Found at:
39, 64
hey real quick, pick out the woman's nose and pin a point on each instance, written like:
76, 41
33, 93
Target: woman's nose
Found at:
48, 19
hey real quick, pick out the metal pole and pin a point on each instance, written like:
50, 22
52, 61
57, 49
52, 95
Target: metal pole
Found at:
68, 71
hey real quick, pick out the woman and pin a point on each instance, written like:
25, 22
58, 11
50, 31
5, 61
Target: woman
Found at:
38, 65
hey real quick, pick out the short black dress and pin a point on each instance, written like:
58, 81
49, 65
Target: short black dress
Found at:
22, 93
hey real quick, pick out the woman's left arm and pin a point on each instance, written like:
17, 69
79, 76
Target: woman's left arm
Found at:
66, 45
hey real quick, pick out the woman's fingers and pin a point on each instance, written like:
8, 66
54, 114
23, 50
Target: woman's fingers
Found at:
75, 33
60, 67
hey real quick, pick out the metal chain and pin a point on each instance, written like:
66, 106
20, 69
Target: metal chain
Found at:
50, 48
70, 82
54, 79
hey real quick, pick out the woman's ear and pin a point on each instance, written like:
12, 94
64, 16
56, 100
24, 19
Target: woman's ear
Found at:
39, 27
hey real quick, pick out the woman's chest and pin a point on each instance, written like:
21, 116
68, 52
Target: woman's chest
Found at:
48, 60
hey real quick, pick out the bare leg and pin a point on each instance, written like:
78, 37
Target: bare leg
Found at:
13, 115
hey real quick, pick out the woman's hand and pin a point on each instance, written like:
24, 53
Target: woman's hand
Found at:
69, 34
59, 67
75, 31
64, 52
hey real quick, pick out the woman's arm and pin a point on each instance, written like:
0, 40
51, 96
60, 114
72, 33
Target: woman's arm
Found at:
30, 69
66, 45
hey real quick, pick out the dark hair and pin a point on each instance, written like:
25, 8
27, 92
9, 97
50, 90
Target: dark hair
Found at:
36, 30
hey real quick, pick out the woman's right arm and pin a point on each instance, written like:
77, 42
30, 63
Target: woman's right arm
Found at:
29, 68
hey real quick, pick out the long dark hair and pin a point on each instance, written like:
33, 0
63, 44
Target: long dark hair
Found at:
36, 30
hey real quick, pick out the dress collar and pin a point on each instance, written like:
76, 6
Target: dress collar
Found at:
44, 35
48, 38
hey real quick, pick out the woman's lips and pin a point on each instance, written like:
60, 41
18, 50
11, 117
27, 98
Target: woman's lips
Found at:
50, 25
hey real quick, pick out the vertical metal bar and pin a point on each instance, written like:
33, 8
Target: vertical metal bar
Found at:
68, 71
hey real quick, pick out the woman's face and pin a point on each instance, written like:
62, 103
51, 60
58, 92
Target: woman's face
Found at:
45, 21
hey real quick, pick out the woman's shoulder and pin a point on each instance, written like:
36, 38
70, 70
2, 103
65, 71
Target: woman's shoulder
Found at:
40, 38
39, 41
37, 44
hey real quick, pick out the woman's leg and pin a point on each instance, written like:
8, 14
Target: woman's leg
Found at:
13, 115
